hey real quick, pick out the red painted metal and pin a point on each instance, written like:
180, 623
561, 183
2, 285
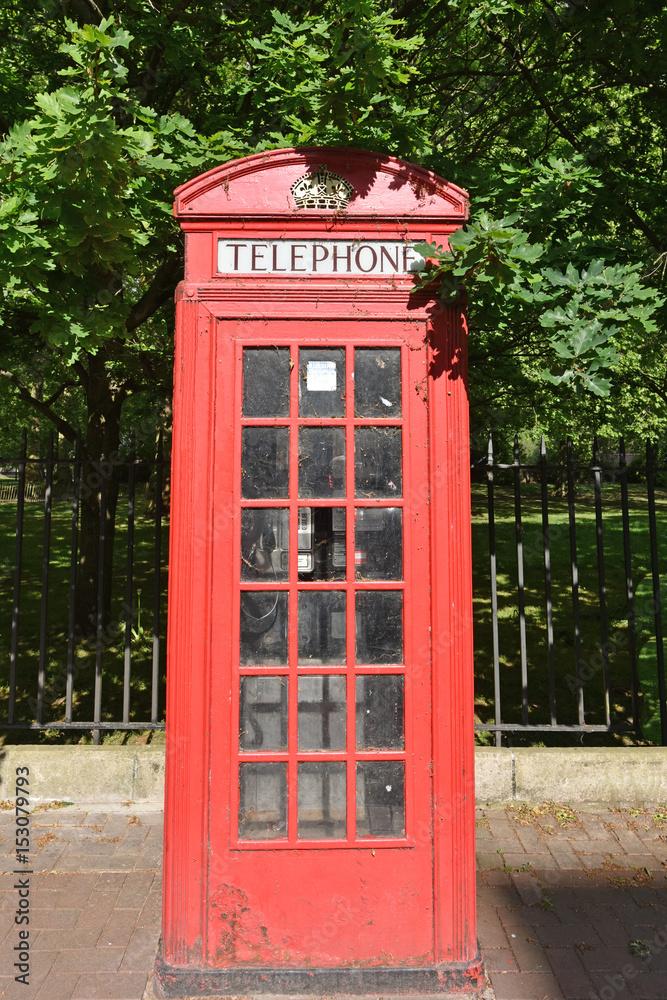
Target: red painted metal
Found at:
371, 903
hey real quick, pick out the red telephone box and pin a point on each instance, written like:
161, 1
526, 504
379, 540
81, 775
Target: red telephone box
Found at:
319, 824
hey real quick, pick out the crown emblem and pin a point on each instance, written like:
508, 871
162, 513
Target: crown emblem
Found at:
322, 190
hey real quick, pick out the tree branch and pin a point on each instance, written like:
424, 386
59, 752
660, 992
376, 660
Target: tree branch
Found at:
63, 426
655, 386
82, 372
563, 129
528, 77
86, 9
158, 292
58, 393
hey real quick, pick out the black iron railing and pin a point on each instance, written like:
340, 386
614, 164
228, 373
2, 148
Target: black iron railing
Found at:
79, 656
583, 694
568, 559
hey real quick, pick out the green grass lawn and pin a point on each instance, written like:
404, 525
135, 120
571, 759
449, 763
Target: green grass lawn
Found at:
536, 634
58, 605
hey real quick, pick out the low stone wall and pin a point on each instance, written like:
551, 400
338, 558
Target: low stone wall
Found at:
104, 774
632, 776
627, 776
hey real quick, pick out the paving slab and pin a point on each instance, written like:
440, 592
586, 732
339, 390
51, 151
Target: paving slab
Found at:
592, 927
602, 921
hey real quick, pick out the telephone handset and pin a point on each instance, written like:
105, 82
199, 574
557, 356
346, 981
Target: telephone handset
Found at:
306, 540
321, 528
264, 549
320, 543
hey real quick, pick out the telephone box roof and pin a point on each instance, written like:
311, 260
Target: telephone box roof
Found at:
353, 183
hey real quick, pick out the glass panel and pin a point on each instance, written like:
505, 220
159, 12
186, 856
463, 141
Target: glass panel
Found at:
266, 381
377, 382
263, 628
377, 462
263, 801
322, 382
321, 543
379, 626
378, 547
321, 627
321, 462
380, 712
381, 798
321, 800
264, 543
322, 712
263, 713
264, 462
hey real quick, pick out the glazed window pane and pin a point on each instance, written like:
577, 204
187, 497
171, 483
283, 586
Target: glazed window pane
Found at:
321, 627
263, 714
264, 543
377, 382
322, 382
378, 462
321, 462
321, 800
381, 798
262, 801
263, 628
264, 462
380, 708
378, 548
266, 381
379, 626
322, 715
321, 543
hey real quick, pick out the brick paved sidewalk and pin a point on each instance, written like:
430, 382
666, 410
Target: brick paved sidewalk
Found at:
95, 904
575, 906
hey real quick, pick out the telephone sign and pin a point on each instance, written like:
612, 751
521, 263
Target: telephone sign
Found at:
317, 257
319, 812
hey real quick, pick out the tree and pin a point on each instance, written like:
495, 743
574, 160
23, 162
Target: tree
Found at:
552, 114
556, 112
92, 254
90, 157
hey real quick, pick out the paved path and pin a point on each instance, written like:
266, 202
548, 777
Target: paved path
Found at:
571, 905
95, 904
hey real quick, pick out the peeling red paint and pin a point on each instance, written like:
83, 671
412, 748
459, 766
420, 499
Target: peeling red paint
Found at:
241, 935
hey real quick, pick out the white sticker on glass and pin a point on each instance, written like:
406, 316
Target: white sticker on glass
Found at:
321, 376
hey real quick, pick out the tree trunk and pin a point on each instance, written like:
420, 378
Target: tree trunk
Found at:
99, 500
63, 475
560, 489
33, 471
